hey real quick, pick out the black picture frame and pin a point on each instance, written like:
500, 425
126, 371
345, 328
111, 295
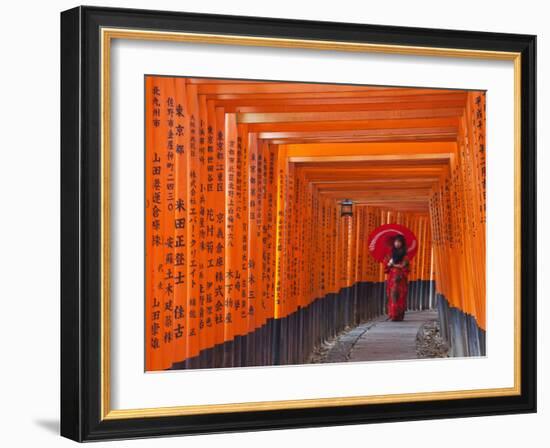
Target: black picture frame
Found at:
81, 212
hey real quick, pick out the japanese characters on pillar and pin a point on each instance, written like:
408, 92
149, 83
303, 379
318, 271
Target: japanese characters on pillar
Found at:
231, 221
193, 216
179, 258
244, 300
243, 230
252, 235
160, 207
280, 238
153, 234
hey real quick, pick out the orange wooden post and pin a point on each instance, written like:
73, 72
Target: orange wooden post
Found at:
216, 178
242, 148
253, 260
205, 335
168, 181
271, 225
281, 236
231, 223
154, 95
179, 260
260, 238
161, 226
193, 213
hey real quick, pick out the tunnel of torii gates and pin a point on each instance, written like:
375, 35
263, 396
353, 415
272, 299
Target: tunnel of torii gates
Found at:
248, 259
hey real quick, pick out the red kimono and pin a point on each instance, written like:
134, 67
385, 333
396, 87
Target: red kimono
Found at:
396, 287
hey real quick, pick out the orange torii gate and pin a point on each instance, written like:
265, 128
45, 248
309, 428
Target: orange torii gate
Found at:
248, 261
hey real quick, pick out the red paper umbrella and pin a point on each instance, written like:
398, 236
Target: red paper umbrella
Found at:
381, 240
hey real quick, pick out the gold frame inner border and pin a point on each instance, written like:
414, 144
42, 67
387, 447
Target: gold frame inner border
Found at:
107, 35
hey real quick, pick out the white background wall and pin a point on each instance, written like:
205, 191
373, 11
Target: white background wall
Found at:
29, 224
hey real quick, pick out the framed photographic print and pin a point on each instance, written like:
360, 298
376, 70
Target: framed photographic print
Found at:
274, 223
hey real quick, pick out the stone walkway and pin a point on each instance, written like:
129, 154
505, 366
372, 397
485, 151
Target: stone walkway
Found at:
381, 339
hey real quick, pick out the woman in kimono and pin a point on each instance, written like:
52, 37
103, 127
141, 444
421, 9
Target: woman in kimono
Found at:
397, 266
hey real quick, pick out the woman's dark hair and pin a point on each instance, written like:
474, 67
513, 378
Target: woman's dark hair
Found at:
398, 253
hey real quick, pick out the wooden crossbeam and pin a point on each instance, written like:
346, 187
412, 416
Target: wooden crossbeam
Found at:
449, 131
351, 125
394, 114
321, 102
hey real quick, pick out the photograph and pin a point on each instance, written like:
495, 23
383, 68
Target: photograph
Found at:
299, 223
